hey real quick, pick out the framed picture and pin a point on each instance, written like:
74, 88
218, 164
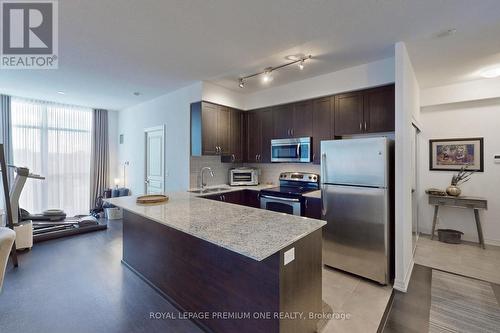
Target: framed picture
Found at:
453, 154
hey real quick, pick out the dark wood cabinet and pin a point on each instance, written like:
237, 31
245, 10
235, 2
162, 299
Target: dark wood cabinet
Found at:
302, 119
209, 118
366, 111
312, 208
266, 120
216, 130
254, 136
236, 136
322, 114
259, 128
223, 129
246, 136
282, 121
379, 109
292, 120
249, 198
348, 113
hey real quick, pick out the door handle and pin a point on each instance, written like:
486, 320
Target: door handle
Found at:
324, 208
298, 150
146, 181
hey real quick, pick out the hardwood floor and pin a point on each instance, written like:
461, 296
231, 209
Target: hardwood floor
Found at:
78, 284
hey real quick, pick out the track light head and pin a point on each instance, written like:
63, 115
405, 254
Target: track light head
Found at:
267, 76
301, 64
242, 83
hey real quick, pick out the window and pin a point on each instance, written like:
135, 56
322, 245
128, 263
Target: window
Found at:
54, 141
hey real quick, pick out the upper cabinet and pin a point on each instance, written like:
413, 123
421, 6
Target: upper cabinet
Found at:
367, 111
215, 130
236, 136
322, 124
302, 119
379, 110
259, 129
240, 136
348, 113
292, 120
282, 121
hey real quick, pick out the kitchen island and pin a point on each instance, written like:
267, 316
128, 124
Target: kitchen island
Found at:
228, 267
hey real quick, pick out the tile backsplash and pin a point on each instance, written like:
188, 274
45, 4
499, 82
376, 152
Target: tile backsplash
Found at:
221, 170
269, 172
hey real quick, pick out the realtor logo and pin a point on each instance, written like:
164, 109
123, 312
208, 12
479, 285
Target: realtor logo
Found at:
29, 37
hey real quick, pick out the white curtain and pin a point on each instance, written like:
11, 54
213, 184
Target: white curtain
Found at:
53, 140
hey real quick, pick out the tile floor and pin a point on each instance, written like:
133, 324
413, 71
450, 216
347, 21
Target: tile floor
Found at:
364, 301
62, 283
466, 259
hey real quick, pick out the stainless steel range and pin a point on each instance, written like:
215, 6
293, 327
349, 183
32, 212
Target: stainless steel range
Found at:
287, 198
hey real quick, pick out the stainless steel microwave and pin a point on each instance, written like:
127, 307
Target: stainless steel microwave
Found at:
243, 176
291, 150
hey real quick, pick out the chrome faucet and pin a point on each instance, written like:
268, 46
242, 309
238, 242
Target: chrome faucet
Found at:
202, 179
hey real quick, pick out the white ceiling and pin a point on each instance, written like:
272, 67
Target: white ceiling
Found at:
109, 49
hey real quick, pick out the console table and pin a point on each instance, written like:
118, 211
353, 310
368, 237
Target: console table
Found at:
473, 203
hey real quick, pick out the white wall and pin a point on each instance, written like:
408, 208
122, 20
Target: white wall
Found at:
354, 78
173, 110
466, 119
220, 95
461, 92
407, 108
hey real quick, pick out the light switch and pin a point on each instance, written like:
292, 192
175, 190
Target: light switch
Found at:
289, 256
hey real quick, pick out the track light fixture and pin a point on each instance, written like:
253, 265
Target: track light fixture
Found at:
267, 73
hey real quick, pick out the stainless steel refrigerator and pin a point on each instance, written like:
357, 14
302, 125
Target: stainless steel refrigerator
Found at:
355, 192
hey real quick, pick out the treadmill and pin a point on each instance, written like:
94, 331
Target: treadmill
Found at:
52, 223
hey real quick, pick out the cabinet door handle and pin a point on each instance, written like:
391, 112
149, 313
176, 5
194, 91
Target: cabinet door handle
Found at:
305, 203
292, 131
360, 126
365, 126
256, 157
233, 158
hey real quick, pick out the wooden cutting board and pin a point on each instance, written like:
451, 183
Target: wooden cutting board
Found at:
152, 199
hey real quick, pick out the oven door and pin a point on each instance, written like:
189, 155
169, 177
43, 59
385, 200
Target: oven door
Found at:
282, 205
291, 150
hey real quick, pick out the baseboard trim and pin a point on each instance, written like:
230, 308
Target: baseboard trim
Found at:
402, 285
387, 311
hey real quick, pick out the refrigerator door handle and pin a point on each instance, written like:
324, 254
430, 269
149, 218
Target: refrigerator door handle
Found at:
323, 193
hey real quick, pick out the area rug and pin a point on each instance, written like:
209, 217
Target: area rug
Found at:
460, 304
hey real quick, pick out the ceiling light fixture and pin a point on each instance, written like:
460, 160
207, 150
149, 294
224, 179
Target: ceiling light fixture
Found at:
491, 73
61, 93
446, 33
267, 76
267, 73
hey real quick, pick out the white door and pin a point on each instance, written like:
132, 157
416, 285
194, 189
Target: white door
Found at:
155, 160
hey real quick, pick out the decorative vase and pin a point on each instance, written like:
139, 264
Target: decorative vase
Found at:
453, 190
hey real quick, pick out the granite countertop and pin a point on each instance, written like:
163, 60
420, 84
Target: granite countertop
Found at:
252, 232
313, 194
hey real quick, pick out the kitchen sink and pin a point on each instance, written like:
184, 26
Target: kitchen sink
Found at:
210, 190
